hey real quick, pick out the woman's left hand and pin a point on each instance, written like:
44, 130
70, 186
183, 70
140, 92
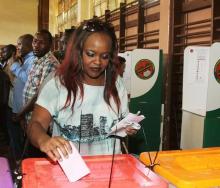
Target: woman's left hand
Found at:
130, 130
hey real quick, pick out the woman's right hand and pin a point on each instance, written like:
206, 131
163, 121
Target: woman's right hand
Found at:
51, 144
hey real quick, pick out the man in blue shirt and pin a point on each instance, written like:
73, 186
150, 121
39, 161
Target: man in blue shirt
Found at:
20, 69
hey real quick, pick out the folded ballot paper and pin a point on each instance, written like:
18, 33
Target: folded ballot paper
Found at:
74, 166
130, 120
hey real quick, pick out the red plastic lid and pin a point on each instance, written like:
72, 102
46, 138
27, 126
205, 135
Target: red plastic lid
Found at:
127, 172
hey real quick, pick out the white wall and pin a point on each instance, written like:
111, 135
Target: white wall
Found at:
17, 17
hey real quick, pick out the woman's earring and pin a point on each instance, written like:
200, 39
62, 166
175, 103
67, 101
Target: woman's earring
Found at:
105, 77
81, 65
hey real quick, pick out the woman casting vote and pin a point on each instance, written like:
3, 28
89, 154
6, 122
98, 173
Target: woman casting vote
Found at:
84, 99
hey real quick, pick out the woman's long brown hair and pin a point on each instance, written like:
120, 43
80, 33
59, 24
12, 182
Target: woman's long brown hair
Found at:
70, 72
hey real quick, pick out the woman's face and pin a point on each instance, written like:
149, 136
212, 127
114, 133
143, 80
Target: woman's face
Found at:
95, 57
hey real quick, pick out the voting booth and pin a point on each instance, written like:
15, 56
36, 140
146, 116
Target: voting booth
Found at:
201, 97
143, 76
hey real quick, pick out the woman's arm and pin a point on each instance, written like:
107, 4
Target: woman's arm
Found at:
37, 133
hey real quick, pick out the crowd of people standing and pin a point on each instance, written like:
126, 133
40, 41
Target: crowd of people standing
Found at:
74, 94
23, 69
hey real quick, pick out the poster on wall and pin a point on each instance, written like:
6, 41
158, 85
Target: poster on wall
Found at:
145, 70
197, 68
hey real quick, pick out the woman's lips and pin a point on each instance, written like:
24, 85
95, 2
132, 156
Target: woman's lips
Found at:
96, 69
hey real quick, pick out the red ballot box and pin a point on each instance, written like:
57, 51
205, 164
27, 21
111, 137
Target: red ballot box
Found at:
127, 172
5, 175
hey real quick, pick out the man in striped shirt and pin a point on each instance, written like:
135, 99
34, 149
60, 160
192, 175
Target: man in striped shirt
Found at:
42, 66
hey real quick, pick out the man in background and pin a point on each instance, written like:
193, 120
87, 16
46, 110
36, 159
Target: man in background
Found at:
60, 54
6, 87
8, 54
1, 57
20, 69
121, 66
44, 64
4, 93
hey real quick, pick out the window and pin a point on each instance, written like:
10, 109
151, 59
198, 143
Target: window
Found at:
67, 14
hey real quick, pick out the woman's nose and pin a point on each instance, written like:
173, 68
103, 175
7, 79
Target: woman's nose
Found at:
97, 60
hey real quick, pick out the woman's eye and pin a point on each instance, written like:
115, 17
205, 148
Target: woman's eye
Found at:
90, 54
105, 56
